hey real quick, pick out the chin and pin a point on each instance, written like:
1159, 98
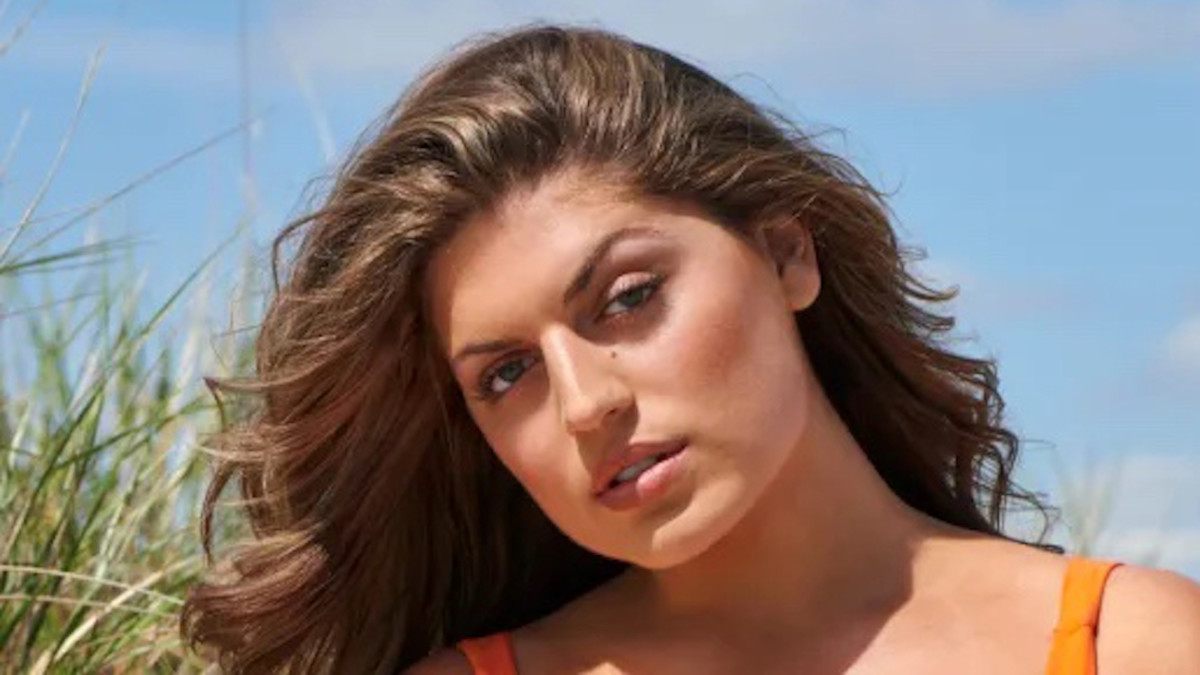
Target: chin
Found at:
687, 532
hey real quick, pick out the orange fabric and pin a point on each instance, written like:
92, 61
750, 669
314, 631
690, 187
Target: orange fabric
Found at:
491, 655
1074, 649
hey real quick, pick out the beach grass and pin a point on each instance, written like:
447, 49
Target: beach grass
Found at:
102, 418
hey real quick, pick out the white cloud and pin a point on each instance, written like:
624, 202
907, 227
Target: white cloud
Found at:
1181, 347
910, 46
1162, 381
158, 54
1172, 548
1141, 506
1154, 486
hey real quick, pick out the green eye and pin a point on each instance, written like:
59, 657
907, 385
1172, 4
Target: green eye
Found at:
633, 297
508, 373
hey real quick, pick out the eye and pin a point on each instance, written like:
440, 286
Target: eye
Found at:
497, 380
633, 296
505, 373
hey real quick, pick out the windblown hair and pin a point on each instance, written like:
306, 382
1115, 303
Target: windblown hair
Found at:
384, 527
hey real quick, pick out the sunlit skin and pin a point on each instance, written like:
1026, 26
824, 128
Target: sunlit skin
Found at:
777, 535
679, 333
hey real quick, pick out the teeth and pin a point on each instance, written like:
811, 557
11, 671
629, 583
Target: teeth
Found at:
634, 470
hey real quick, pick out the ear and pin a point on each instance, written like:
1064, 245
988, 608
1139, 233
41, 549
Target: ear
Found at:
791, 248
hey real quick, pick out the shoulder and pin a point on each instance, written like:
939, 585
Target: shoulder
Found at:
1149, 614
446, 662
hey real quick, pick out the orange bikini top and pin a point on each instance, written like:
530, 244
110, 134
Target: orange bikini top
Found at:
1073, 651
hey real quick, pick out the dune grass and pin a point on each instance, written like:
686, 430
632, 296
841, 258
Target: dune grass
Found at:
100, 479
101, 465
101, 415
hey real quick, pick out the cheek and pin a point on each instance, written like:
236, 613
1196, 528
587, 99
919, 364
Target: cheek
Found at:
539, 464
736, 342
735, 357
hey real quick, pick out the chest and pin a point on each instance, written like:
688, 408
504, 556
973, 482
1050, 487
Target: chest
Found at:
973, 644
931, 660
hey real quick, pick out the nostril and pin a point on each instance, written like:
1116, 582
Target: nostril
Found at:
585, 411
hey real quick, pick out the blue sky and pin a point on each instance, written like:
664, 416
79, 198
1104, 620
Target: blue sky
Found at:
1045, 154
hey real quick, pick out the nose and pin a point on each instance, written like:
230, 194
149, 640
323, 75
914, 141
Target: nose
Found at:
583, 378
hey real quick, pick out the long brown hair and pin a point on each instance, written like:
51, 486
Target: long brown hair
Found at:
384, 527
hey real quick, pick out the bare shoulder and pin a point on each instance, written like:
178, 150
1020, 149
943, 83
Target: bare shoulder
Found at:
1150, 617
445, 662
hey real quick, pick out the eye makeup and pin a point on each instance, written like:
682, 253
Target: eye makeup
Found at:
644, 287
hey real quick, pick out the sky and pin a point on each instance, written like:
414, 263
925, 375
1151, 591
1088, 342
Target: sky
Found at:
1044, 154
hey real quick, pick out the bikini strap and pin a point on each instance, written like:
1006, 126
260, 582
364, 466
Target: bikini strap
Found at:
490, 655
1074, 649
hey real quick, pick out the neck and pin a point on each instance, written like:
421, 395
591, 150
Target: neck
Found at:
827, 544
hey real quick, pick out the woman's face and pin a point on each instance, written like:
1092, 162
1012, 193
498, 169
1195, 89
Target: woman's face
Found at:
589, 329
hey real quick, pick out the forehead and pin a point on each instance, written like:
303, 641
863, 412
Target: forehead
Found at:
513, 262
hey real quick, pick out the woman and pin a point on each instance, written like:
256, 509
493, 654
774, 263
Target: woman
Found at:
587, 364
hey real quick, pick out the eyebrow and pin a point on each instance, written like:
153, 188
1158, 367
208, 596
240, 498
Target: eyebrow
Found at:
579, 283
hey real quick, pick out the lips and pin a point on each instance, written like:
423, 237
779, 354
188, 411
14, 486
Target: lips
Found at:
617, 461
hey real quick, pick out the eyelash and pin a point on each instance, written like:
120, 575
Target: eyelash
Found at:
650, 287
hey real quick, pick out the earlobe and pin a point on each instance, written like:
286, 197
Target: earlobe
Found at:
801, 284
